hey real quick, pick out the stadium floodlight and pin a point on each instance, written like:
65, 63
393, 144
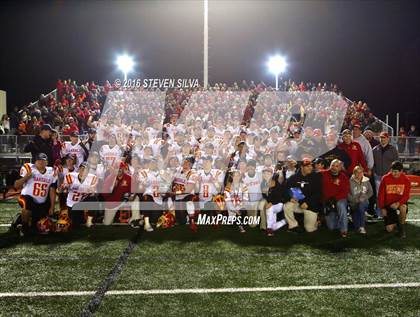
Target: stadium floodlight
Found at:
277, 65
125, 63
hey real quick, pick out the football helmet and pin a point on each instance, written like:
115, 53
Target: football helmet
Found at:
45, 225
167, 220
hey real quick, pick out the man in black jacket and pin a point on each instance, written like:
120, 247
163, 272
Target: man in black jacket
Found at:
309, 184
275, 198
41, 144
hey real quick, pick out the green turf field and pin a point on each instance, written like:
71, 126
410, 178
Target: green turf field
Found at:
214, 258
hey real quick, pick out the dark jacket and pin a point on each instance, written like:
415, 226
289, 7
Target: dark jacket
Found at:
277, 194
310, 186
337, 153
40, 145
383, 158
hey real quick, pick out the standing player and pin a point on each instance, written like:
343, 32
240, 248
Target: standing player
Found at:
252, 180
210, 182
183, 190
236, 197
110, 153
38, 182
74, 147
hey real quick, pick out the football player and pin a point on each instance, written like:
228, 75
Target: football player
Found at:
183, 186
73, 147
209, 181
252, 180
110, 153
79, 186
38, 182
236, 197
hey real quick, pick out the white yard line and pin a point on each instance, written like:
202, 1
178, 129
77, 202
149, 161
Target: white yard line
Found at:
212, 290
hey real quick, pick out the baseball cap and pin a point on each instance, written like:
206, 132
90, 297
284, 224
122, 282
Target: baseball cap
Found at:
384, 135
83, 164
306, 161
357, 125
207, 158
92, 130
41, 156
346, 131
71, 157
74, 134
46, 127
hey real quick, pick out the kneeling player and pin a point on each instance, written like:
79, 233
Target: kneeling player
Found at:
38, 182
236, 196
183, 192
394, 192
79, 186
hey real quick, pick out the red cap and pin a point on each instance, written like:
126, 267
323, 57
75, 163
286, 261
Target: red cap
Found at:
306, 161
123, 165
384, 135
357, 125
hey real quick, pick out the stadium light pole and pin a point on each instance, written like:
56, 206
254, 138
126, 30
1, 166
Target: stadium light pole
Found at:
277, 65
125, 63
206, 45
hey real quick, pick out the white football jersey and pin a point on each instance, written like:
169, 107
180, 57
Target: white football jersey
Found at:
153, 185
39, 184
62, 171
76, 149
236, 196
208, 182
181, 180
254, 186
79, 190
109, 156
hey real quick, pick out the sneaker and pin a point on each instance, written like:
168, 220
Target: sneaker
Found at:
148, 228
269, 232
296, 229
242, 229
343, 234
135, 223
193, 226
20, 231
362, 230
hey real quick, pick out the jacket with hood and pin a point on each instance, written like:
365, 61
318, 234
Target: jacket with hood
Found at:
359, 191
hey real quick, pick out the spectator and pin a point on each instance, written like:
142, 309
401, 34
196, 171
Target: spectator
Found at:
354, 151
56, 146
412, 136
360, 192
5, 124
364, 144
309, 204
384, 154
42, 144
393, 196
335, 189
369, 136
402, 140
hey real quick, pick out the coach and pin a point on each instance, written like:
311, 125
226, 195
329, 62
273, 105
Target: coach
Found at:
309, 184
41, 144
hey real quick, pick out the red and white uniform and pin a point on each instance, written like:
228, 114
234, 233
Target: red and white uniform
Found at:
110, 156
153, 182
236, 197
79, 190
254, 186
181, 180
39, 184
76, 149
208, 182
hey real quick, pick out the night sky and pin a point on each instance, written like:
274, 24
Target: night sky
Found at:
371, 49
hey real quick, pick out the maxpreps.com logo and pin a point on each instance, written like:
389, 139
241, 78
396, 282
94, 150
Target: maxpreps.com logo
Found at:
220, 219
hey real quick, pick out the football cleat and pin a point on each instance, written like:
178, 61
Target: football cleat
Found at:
148, 228
193, 226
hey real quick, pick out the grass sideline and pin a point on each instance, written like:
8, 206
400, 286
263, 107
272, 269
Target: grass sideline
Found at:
214, 258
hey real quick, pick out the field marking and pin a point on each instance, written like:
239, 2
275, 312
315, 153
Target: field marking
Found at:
212, 290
